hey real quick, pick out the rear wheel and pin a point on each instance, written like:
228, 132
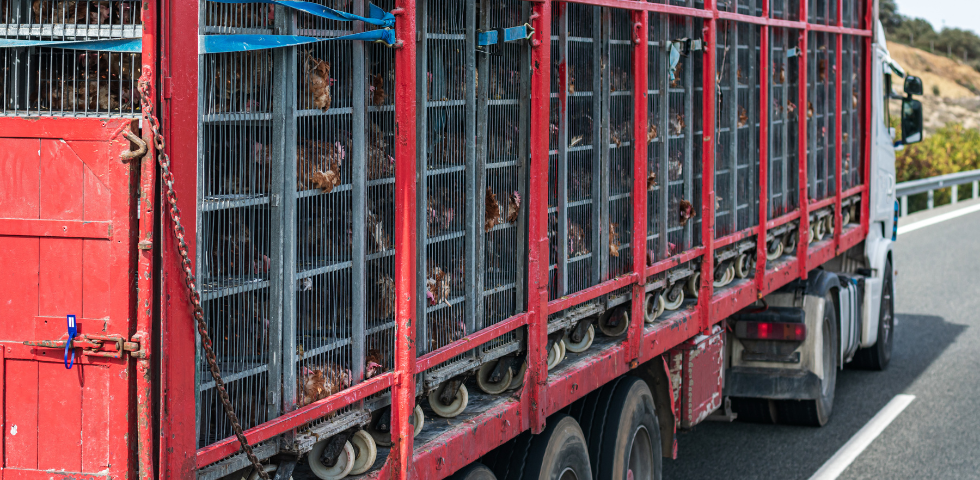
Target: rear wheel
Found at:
559, 453
877, 356
816, 413
624, 434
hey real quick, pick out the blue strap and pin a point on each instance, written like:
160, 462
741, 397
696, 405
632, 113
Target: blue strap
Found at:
522, 32
376, 16
674, 56
244, 43
72, 332
121, 45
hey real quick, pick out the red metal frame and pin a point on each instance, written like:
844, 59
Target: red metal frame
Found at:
542, 395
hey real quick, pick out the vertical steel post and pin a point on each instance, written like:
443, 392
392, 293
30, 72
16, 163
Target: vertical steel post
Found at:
403, 392
976, 189
640, 168
145, 426
931, 201
802, 248
867, 122
955, 195
535, 380
764, 74
838, 132
710, 36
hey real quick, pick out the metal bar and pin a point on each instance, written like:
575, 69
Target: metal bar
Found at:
708, 171
764, 81
905, 206
663, 89
976, 189
838, 133
563, 149
470, 342
600, 144
803, 136
789, 217
538, 245
955, 195
674, 261
913, 187
867, 123
403, 392
475, 181
297, 418
359, 195
591, 293
640, 106
931, 201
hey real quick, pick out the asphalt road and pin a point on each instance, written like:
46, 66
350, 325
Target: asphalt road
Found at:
936, 358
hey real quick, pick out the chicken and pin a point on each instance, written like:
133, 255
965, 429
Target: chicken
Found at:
790, 107
652, 133
782, 74
686, 211
675, 167
741, 79
651, 181
493, 211
318, 383
443, 332
577, 140
620, 135
318, 82
318, 165
854, 100
386, 297
677, 124
743, 117
845, 136
101, 97
233, 253
614, 239
373, 364
809, 109
576, 240
58, 11
513, 207
124, 14
379, 163
377, 88
438, 285
375, 229
822, 70
571, 79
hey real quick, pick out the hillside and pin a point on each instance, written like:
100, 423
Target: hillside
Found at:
958, 86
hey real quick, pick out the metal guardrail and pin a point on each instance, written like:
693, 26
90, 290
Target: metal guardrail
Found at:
930, 185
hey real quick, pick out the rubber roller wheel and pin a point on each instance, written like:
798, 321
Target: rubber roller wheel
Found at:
453, 409
790, 242
742, 266
554, 356
653, 307
621, 327
726, 277
518, 379
821, 229
582, 345
383, 438
693, 285
775, 249
417, 421
830, 225
343, 467
493, 388
674, 299
846, 216
365, 452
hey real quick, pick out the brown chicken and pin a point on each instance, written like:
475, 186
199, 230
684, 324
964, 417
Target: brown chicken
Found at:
318, 82
790, 107
651, 181
822, 70
782, 74
386, 297
614, 239
442, 332
234, 253
58, 11
375, 229
438, 285
845, 137
743, 117
318, 165
809, 109
378, 95
675, 166
677, 124
373, 364
576, 240
493, 211
513, 207
652, 133
318, 383
379, 163
686, 211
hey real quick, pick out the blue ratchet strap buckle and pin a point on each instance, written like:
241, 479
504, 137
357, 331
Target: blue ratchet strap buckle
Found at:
72, 333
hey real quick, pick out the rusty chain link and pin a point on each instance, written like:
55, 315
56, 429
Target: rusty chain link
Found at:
195, 297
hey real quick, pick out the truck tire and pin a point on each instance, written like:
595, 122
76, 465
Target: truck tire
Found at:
754, 410
628, 444
816, 413
474, 471
877, 356
559, 453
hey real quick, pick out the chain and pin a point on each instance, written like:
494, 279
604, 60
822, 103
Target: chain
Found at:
195, 297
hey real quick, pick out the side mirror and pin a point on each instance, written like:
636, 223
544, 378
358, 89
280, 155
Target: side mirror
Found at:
911, 121
913, 85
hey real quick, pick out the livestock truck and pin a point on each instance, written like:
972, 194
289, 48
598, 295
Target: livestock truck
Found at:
431, 238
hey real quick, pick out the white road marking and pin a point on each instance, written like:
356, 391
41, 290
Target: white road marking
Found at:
850, 451
938, 218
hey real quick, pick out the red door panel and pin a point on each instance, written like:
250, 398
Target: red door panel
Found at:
67, 237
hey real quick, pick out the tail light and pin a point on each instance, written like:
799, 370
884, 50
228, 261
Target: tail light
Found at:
794, 332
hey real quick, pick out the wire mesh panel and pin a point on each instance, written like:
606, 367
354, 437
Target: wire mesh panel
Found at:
744, 7
784, 115
851, 82
503, 128
852, 13
53, 81
821, 116
296, 218
617, 166
657, 117
784, 9
235, 226
575, 227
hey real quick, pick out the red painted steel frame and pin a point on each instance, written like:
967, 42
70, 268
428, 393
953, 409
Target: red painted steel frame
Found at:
541, 395
803, 109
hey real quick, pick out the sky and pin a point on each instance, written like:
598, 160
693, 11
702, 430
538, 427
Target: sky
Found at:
963, 14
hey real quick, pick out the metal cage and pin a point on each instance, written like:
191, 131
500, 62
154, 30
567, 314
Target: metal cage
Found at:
784, 117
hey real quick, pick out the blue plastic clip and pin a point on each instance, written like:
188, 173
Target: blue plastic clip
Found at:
72, 332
